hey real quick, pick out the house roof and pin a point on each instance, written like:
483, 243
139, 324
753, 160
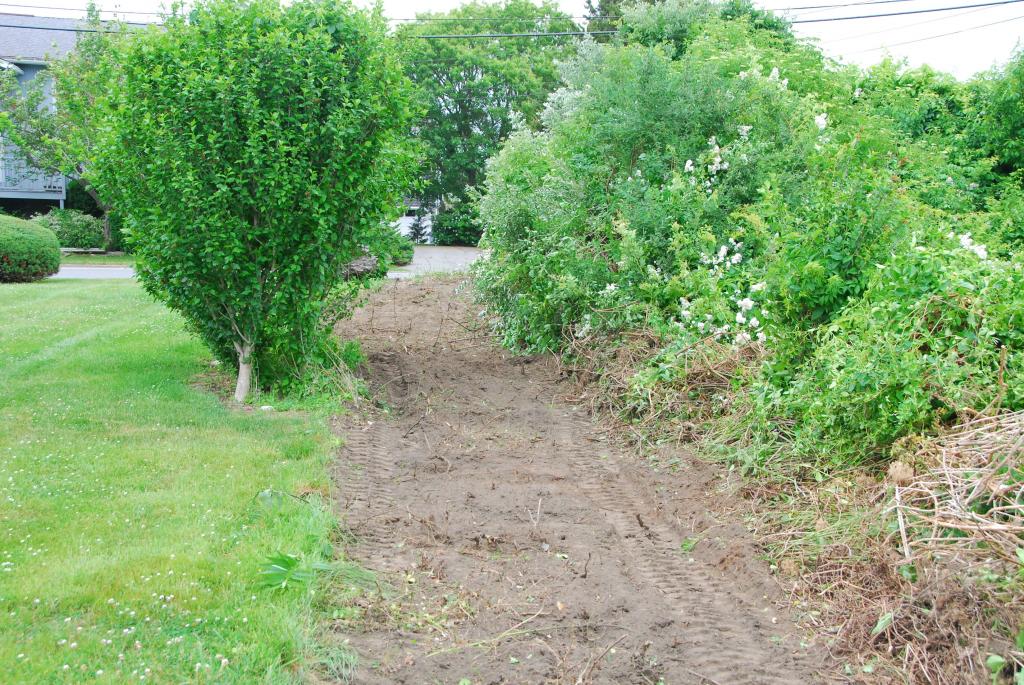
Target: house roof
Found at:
19, 44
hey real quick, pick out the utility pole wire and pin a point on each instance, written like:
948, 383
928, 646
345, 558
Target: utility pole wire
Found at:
907, 12
591, 33
528, 35
941, 35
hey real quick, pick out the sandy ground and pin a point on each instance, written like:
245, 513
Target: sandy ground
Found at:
522, 542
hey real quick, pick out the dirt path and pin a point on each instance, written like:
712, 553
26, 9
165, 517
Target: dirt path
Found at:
522, 544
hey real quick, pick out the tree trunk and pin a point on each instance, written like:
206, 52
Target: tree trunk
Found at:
104, 207
106, 231
244, 372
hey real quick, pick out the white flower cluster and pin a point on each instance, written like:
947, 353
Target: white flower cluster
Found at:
821, 121
717, 163
747, 324
725, 257
774, 76
747, 327
967, 243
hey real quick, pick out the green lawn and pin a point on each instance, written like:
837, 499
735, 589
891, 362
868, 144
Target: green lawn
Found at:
132, 528
98, 259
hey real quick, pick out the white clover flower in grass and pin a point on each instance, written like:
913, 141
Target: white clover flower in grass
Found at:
857, 93
688, 167
761, 337
744, 131
821, 121
610, 288
740, 319
754, 322
742, 75
736, 258
758, 287
742, 338
774, 76
684, 303
746, 304
686, 314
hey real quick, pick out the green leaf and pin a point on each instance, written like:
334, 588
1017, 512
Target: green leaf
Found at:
281, 570
884, 621
995, 664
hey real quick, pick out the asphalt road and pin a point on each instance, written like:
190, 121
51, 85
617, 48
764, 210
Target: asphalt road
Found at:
428, 259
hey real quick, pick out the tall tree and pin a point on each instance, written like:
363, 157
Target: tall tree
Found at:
57, 118
256, 149
472, 89
603, 15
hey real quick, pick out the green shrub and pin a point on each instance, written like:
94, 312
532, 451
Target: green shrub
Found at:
456, 224
74, 228
393, 248
28, 251
938, 333
245, 188
750, 207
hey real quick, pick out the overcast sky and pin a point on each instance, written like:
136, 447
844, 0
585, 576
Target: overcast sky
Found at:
978, 37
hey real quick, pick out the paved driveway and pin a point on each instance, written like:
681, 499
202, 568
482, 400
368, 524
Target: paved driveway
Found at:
428, 259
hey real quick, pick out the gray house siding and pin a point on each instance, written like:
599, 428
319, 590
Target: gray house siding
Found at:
27, 50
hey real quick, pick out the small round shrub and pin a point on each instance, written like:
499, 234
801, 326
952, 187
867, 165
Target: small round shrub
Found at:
28, 251
394, 248
74, 228
459, 224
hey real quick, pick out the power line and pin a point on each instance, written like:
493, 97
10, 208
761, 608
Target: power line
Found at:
556, 34
531, 35
900, 14
425, 20
76, 9
60, 28
908, 26
429, 20
941, 35
825, 7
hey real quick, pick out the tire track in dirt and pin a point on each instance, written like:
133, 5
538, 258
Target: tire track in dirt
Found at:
523, 546
688, 586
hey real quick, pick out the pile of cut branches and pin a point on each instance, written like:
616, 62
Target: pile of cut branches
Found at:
966, 504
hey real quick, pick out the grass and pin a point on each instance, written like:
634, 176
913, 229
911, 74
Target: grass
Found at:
133, 529
80, 259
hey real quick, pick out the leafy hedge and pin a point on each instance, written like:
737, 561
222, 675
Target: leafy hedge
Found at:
28, 251
74, 228
721, 186
457, 224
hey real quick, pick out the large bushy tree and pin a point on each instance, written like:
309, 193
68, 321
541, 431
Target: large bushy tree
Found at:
472, 89
256, 149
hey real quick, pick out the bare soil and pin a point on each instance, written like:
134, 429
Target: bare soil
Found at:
517, 540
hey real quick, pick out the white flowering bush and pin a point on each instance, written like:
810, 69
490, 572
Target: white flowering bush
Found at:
755, 216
